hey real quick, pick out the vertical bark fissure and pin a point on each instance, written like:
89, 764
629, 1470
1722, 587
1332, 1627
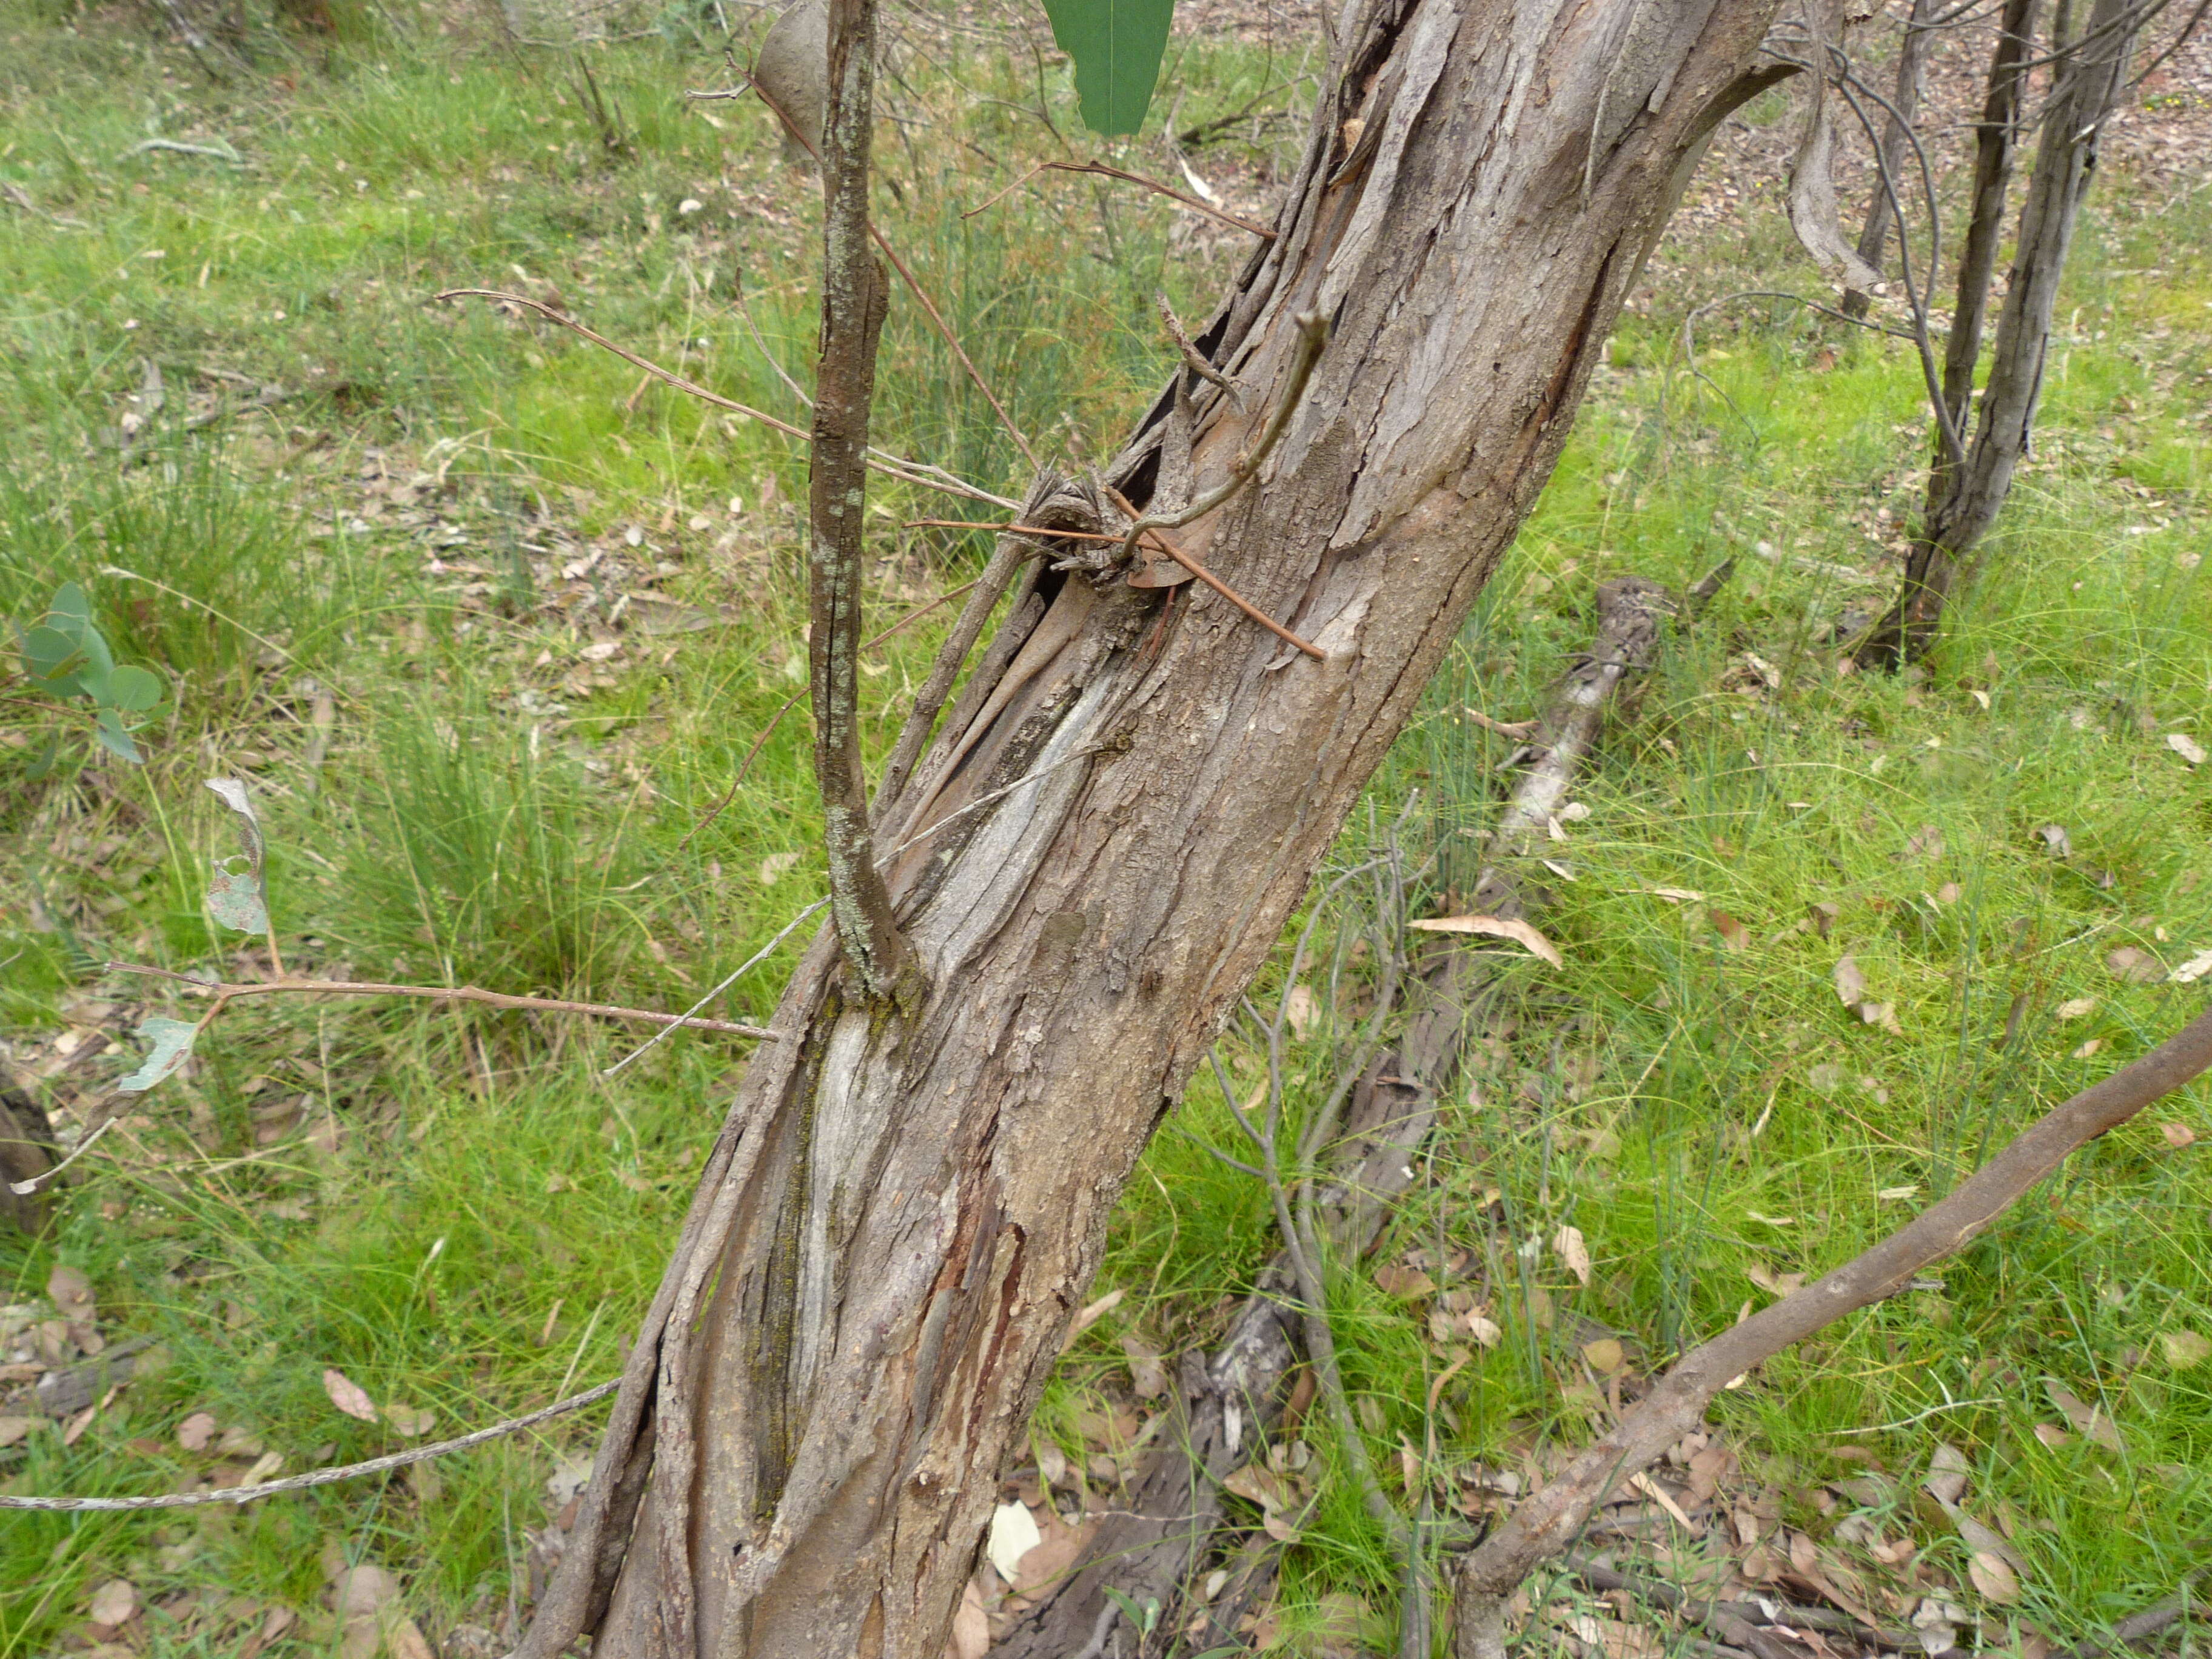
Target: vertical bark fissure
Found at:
855, 296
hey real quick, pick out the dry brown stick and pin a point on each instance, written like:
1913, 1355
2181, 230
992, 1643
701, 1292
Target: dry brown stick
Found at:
1153, 185
179, 1500
892, 466
345, 987
1546, 1523
791, 701
1192, 358
1154, 538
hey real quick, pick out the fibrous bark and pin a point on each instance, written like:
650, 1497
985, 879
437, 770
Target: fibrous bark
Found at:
1965, 492
902, 1212
1157, 1538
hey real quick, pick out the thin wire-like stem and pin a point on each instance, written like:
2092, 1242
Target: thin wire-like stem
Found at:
180, 1500
1153, 185
732, 978
922, 474
338, 987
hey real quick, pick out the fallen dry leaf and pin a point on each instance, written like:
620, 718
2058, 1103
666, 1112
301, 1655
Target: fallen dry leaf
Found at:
2185, 746
1926, 842
1993, 1578
1734, 935
2135, 965
776, 867
1300, 1008
196, 1431
1568, 1242
1053, 1559
1014, 1533
1850, 983
1605, 1355
113, 1603
2074, 1007
1147, 1376
2193, 970
1773, 1282
348, 1395
2052, 1436
2184, 1349
2057, 840
2178, 1135
1496, 927
1394, 1278
971, 1627
410, 1422
72, 1291
2090, 1424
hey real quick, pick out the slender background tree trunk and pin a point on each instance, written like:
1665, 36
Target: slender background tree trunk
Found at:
1966, 492
904, 1208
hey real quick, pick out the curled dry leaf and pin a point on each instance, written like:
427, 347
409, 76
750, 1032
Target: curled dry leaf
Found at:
2185, 746
1147, 1375
1773, 1282
196, 1431
2193, 970
1394, 1279
348, 1395
2056, 841
411, 1422
13, 1429
1299, 1008
2074, 1007
1496, 927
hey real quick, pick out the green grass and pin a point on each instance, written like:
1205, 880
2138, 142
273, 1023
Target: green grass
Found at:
454, 512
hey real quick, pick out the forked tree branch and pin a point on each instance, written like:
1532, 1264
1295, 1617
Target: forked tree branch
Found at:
1547, 1524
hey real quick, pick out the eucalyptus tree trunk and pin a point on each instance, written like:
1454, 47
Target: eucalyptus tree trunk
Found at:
906, 1201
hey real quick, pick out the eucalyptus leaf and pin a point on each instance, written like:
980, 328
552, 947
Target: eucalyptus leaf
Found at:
172, 1046
234, 898
1117, 45
107, 726
53, 657
136, 690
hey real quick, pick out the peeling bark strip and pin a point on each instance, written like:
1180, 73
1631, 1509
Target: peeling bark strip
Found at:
900, 1215
1546, 1523
854, 295
1155, 1542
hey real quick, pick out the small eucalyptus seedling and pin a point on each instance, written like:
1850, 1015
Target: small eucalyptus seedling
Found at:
65, 658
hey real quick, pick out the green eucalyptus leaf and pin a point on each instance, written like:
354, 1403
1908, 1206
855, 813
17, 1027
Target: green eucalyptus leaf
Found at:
39, 769
53, 657
69, 604
108, 729
136, 690
172, 1046
1117, 45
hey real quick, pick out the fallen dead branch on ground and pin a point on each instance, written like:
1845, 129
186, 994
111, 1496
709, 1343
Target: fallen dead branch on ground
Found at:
1546, 1525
